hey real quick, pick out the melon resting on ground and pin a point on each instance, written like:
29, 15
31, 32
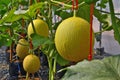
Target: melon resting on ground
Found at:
22, 48
31, 63
72, 39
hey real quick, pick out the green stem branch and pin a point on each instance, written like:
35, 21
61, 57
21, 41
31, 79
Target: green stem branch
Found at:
113, 18
61, 3
67, 5
74, 13
107, 12
103, 30
51, 77
27, 75
33, 26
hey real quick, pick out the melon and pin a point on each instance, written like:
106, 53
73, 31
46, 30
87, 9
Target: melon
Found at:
22, 48
72, 39
31, 63
40, 26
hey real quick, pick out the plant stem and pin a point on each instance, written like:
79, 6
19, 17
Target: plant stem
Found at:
33, 26
54, 66
115, 26
50, 19
66, 5
103, 30
74, 13
61, 3
27, 75
12, 44
50, 62
107, 12
18, 34
30, 3
12, 4
50, 68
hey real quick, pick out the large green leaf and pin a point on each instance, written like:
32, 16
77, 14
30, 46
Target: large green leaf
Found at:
4, 3
32, 9
84, 12
15, 15
106, 69
65, 14
38, 40
7, 16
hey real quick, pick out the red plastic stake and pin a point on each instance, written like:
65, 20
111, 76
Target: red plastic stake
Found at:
91, 23
74, 4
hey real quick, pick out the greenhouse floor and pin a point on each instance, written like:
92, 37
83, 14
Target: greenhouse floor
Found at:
4, 67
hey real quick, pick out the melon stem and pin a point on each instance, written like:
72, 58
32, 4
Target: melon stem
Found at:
33, 26
27, 75
74, 13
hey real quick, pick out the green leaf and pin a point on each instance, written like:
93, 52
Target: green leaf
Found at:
38, 40
113, 20
90, 1
3, 28
105, 19
23, 2
105, 69
32, 9
7, 16
65, 14
4, 2
5, 40
107, 25
15, 15
62, 61
99, 15
103, 3
84, 12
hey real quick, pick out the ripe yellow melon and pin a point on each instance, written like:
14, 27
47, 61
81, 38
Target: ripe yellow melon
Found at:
72, 39
22, 48
41, 28
31, 63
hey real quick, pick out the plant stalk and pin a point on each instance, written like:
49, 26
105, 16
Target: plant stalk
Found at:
66, 5
27, 75
74, 13
115, 26
33, 26
51, 77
